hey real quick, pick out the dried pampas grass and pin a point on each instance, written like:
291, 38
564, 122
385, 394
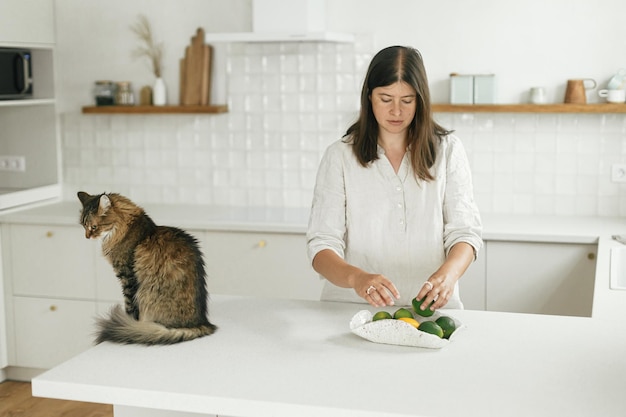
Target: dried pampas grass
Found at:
150, 49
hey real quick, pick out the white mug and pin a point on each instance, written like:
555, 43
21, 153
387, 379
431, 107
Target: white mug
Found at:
613, 96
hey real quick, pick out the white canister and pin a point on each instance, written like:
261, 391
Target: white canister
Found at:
461, 89
485, 89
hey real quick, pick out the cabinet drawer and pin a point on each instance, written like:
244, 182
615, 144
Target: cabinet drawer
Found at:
259, 264
48, 332
542, 278
51, 261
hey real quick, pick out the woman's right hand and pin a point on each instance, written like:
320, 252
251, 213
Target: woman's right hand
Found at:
376, 289
335, 269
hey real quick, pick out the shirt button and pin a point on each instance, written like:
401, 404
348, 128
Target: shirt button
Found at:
398, 188
401, 222
399, 205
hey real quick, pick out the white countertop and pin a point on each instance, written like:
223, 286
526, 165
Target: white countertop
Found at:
298, 358
558, 229
561, 229
186, 216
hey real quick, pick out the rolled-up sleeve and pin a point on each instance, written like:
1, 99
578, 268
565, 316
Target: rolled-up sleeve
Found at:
327, 221
462, 221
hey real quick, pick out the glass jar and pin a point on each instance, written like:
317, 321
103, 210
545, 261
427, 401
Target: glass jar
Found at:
124, 95
104, 93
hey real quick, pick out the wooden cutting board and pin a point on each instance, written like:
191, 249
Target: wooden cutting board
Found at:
195, 72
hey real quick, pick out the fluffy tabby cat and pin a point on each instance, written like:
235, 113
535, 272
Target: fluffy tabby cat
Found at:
161, 271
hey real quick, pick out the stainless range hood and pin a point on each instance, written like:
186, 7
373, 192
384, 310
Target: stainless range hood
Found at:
285, 21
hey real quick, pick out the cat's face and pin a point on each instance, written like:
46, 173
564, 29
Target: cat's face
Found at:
93, 216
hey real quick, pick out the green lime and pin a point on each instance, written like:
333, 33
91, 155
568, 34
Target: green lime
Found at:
447, 324
424, 313
402, 312
431, 327
381, 315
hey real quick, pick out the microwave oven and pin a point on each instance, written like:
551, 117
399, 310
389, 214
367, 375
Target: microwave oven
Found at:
16, 80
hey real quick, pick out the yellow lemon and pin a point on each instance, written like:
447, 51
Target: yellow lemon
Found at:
411, 321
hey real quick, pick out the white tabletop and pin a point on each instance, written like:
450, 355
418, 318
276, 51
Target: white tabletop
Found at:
298, 358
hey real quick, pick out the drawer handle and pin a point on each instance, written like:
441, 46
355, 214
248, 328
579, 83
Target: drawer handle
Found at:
53, 308
49, 234
591, 256
262, 243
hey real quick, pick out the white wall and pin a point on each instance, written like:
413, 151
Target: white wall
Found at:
535, 42
95, 42
288, 101
525, 43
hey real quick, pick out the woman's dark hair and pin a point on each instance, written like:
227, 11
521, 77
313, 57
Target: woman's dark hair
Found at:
390, 65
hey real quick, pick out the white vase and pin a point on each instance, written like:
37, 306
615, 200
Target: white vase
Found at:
159, 93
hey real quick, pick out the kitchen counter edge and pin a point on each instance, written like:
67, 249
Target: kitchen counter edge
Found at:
503, 227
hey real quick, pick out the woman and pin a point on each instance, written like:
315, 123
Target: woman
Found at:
393, 215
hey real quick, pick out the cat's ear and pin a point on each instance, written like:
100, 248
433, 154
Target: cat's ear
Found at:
105, 203
83, 197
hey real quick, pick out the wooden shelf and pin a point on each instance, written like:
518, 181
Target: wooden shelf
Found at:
442, 108
155, 109
530, 108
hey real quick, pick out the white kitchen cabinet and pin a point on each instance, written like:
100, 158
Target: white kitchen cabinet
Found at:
50, 282
30, 125
50, 261
259, 264
472, 284
27, 21
544, 278
49, 331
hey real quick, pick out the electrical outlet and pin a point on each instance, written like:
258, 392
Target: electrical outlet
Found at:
12, 163
618, 173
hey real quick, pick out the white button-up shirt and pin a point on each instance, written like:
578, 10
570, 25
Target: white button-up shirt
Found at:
393, 224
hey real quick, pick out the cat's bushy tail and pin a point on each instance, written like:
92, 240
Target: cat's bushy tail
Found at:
119, 327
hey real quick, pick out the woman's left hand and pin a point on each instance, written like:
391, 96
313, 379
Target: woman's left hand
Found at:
438, 288
440, 285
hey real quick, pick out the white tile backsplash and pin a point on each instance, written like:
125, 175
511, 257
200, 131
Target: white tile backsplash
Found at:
288, 102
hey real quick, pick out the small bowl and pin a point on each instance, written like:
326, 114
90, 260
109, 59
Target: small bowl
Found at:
397, 332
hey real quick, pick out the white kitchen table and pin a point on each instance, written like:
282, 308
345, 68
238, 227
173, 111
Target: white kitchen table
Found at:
287, 358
